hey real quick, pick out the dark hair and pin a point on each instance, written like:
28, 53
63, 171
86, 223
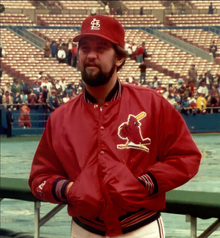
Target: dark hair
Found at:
121, 53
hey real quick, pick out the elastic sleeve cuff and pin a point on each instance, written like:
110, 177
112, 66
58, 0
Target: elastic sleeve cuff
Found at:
58, 189
149, 182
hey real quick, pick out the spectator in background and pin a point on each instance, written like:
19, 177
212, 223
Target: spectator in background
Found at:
192, 103
25, 86
53, 103
209, 79
185, 105
45, 93
199, 80
107, 9
45, 82
23, 97
61, 55
37, 88
204, 88
24, 117
70, 87
112, 11
2, 51
213, 49
46, 48
58, 86
160, 89
119, 10
16, 87
7, 99
142, 11
17, 100
201, 101
128, 48
41, 101
154, 84
69, 56
7, 87
193, 75
53, 49
63, 83
141, 53
9, 120
93, 11
32, 99
59, 98
143, 67
66, 98
214, 96
211, 9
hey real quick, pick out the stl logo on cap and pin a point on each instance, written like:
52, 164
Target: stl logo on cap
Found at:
95, 24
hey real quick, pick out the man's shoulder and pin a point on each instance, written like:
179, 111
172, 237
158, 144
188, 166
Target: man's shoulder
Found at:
141, 89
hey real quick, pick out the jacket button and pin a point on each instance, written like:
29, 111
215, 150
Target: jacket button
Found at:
102, 152
95, 106
102, 127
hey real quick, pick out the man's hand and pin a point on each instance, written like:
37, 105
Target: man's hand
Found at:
68, 188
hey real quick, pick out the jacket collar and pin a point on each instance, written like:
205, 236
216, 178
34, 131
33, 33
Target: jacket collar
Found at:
114, 94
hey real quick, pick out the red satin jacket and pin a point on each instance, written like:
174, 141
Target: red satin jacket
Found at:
122, 157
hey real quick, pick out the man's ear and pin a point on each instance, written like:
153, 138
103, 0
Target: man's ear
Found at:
120, 61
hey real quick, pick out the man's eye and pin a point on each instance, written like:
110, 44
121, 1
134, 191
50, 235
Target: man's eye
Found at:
84, 48
101, 48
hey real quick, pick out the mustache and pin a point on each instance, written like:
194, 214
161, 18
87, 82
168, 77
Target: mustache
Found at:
89, 64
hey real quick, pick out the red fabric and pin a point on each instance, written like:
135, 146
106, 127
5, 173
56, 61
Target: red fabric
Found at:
104, 26
105, 165
74, 51
24, 118
140, 50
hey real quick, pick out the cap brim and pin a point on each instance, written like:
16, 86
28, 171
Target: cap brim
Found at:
79, 37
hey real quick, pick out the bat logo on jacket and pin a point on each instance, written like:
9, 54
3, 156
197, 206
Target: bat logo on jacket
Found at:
131, 131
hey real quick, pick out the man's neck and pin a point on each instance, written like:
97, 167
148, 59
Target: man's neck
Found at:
101, 92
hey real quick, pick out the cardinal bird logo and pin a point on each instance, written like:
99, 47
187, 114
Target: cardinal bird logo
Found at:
131, 131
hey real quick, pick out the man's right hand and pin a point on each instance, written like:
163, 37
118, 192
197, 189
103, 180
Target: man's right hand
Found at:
68, 188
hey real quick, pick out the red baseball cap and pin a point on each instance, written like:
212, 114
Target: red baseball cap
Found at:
104, 26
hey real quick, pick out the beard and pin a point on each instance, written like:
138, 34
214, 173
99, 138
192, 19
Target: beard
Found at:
99, 78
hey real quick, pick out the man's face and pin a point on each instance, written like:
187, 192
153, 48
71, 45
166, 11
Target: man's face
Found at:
97, 60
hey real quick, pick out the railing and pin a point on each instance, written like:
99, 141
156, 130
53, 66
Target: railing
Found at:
196, 52
193, 204
28, 36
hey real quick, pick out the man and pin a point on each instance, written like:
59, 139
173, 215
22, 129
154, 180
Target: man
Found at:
141, 53
143, 67
193, 75
213, 49
113, 151
211, 9
9, 119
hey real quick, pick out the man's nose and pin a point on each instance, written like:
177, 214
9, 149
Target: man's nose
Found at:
92, 54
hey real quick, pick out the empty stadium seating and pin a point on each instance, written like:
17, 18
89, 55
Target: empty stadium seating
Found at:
197, 37
77, 5
204, 4
76, 20
193, 20
18, 4
145, 4
15, 20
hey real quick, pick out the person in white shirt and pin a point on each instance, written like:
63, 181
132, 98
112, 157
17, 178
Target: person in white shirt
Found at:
61, 54
107, 9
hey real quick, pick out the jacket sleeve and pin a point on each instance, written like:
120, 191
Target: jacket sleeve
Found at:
48, 179
178, 156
